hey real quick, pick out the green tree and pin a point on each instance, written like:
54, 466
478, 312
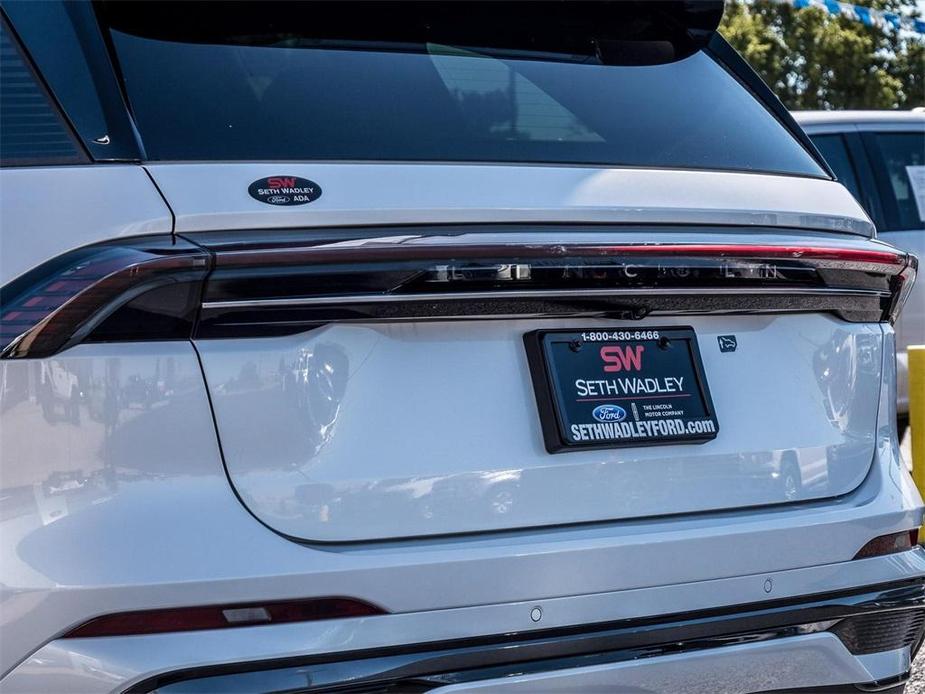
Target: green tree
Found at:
815, 60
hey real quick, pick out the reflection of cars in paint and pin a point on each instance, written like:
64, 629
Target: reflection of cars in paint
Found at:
60, 391
139, 392
312, 454
315, 384
880, 157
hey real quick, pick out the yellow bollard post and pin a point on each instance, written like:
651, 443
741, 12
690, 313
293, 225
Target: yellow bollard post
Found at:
917, 413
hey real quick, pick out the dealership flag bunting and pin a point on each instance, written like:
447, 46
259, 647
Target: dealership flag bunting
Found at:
865, 15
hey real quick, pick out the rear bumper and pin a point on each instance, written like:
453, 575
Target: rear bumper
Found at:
862, 635
177, 536
870, 635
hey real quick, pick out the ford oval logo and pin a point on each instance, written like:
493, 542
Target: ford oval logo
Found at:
609, 413
278, 200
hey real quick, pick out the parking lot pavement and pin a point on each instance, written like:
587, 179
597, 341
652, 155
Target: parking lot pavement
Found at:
917, 683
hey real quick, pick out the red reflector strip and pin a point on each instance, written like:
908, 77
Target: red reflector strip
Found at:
222, 617
889, 544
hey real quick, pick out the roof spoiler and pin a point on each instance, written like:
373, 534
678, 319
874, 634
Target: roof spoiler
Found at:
613, 32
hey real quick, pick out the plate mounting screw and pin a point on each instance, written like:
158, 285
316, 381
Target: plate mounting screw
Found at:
536, 614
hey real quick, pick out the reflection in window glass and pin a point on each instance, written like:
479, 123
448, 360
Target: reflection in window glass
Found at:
33, 131
299, 99
899, 152
503, 104
834, 151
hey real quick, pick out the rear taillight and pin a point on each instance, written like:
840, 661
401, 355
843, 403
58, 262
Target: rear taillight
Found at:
243, 284
902, 287
222, 617
282, 284
63, 301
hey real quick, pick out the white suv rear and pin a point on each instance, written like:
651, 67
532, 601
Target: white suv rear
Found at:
437, 347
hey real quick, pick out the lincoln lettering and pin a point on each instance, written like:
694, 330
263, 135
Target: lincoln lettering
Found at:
629, 386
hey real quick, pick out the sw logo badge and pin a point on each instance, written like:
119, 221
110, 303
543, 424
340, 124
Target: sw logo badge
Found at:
284, 190
617, 358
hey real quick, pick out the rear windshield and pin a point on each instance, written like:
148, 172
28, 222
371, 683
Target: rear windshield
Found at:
294, 98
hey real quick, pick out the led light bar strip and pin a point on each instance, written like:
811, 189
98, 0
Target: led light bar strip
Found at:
78, 296
372, 252
291, 287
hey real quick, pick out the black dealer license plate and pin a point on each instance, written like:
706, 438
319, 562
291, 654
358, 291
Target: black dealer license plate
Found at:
606, 388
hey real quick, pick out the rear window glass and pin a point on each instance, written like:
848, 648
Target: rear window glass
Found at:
295, 99
32, 132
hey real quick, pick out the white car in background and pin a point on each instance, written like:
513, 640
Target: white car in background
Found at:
880, 157
436, 347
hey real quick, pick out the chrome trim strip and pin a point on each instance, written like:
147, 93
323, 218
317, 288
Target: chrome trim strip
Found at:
535, 294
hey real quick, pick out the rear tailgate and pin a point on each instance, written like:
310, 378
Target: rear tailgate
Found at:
356, 419
390, 430
374, 383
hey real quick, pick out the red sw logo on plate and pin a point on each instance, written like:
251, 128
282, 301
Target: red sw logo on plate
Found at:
617, 358
280, 182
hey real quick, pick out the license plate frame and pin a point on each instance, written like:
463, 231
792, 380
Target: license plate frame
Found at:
668, 348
